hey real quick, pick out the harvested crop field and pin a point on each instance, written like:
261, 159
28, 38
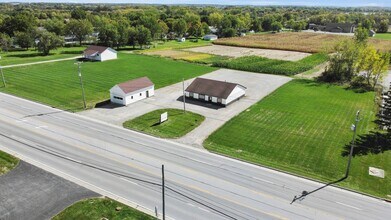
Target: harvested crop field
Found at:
187, 56
245, 51
292, 41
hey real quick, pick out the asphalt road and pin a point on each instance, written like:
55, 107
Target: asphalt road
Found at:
28, 192
126, 166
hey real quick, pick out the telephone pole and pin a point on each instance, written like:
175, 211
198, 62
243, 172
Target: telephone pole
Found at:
354, 128
163, 196
184, 95
81, 83
2, 74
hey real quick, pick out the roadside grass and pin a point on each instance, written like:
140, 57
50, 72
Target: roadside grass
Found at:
193, 57
296, 41
7, 163
57, 84
304, 128
383, 36
30, 56
177, 125
272, 66
101, 208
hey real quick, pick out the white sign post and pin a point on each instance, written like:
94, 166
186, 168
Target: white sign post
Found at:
163, 117
376, 172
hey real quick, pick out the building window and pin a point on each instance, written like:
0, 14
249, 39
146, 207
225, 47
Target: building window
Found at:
116, 97
140, 93
131, 97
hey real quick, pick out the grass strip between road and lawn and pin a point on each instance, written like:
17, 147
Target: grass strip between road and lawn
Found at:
101, 208
271, 66
7, 163
57, 84
304, 128
179, 123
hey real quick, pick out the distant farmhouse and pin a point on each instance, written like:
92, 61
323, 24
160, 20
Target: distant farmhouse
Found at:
334, 27
132, 91
218, 92
98, 53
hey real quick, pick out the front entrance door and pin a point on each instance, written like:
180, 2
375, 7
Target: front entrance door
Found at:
147, 93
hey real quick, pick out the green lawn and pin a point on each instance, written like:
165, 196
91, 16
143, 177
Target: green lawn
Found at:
383, 36
30, 56
100, 208
57, 84
271, 66
304, 128
177, 125
7, 162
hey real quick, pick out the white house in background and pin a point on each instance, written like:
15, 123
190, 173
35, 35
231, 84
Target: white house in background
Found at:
132, 91
214, 91
99, 53
210, 37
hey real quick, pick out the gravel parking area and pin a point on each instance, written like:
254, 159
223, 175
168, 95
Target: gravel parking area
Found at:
258, 86
243, 51
28, 192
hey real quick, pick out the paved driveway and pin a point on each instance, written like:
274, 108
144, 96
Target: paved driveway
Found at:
28, 192
258, 86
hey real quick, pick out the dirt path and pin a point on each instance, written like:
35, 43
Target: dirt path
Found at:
40, 62
313, 73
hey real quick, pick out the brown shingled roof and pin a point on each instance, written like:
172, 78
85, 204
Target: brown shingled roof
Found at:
94, 49
135, 84
212, 87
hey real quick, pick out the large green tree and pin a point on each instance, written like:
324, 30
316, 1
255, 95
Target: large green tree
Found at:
48, 41
80, 29
143, 36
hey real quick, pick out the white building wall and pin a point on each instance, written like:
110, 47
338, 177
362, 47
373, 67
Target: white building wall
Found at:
235, 94
117, 92
127, 98
195, 95
108, 55
214, 99
206, 98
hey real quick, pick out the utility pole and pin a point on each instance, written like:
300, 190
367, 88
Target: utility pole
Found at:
354, 128
184, 96
2, 74
81, 83
163, 197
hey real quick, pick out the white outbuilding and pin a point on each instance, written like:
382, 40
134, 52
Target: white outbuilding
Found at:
210, 37
98, 53
214, 91
132, 91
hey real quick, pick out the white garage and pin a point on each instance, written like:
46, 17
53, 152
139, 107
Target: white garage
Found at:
214, 91
132, 91
98, 53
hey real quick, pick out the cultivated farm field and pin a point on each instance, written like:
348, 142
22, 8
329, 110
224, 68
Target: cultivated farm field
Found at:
304, 128
57, 84
296, 41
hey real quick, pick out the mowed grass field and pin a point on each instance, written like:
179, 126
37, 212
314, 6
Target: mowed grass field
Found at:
57, 84
188, 56
7, 162
383, 36
177, 125
101, 208
304, 128
30, 56
303, 42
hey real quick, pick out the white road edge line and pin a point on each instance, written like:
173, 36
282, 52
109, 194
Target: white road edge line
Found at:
80, 182
129, 181
348, 206
205, 210
266, 181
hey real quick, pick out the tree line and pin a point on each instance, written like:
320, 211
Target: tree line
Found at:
44, 25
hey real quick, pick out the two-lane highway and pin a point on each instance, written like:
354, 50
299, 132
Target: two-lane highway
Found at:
126, 166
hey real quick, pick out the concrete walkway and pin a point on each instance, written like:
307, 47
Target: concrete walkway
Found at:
258, 86
40, 62
28, 192
387, 81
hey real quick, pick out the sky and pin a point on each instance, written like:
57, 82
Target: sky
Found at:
336, 3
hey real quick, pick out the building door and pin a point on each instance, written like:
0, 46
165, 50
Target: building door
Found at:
147, 93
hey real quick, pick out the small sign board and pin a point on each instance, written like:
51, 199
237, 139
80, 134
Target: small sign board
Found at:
376, 172
163, 117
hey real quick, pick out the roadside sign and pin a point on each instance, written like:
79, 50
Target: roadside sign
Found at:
163, 117
376, 172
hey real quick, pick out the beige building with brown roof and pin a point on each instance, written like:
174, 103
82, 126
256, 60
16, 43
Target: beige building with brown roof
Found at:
214, 91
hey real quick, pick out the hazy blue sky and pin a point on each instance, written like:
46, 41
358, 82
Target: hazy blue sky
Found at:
349, 3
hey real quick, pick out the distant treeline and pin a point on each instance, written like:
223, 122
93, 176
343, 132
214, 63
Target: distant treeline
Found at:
137, 25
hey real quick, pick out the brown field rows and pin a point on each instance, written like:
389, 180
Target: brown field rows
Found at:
296, 41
